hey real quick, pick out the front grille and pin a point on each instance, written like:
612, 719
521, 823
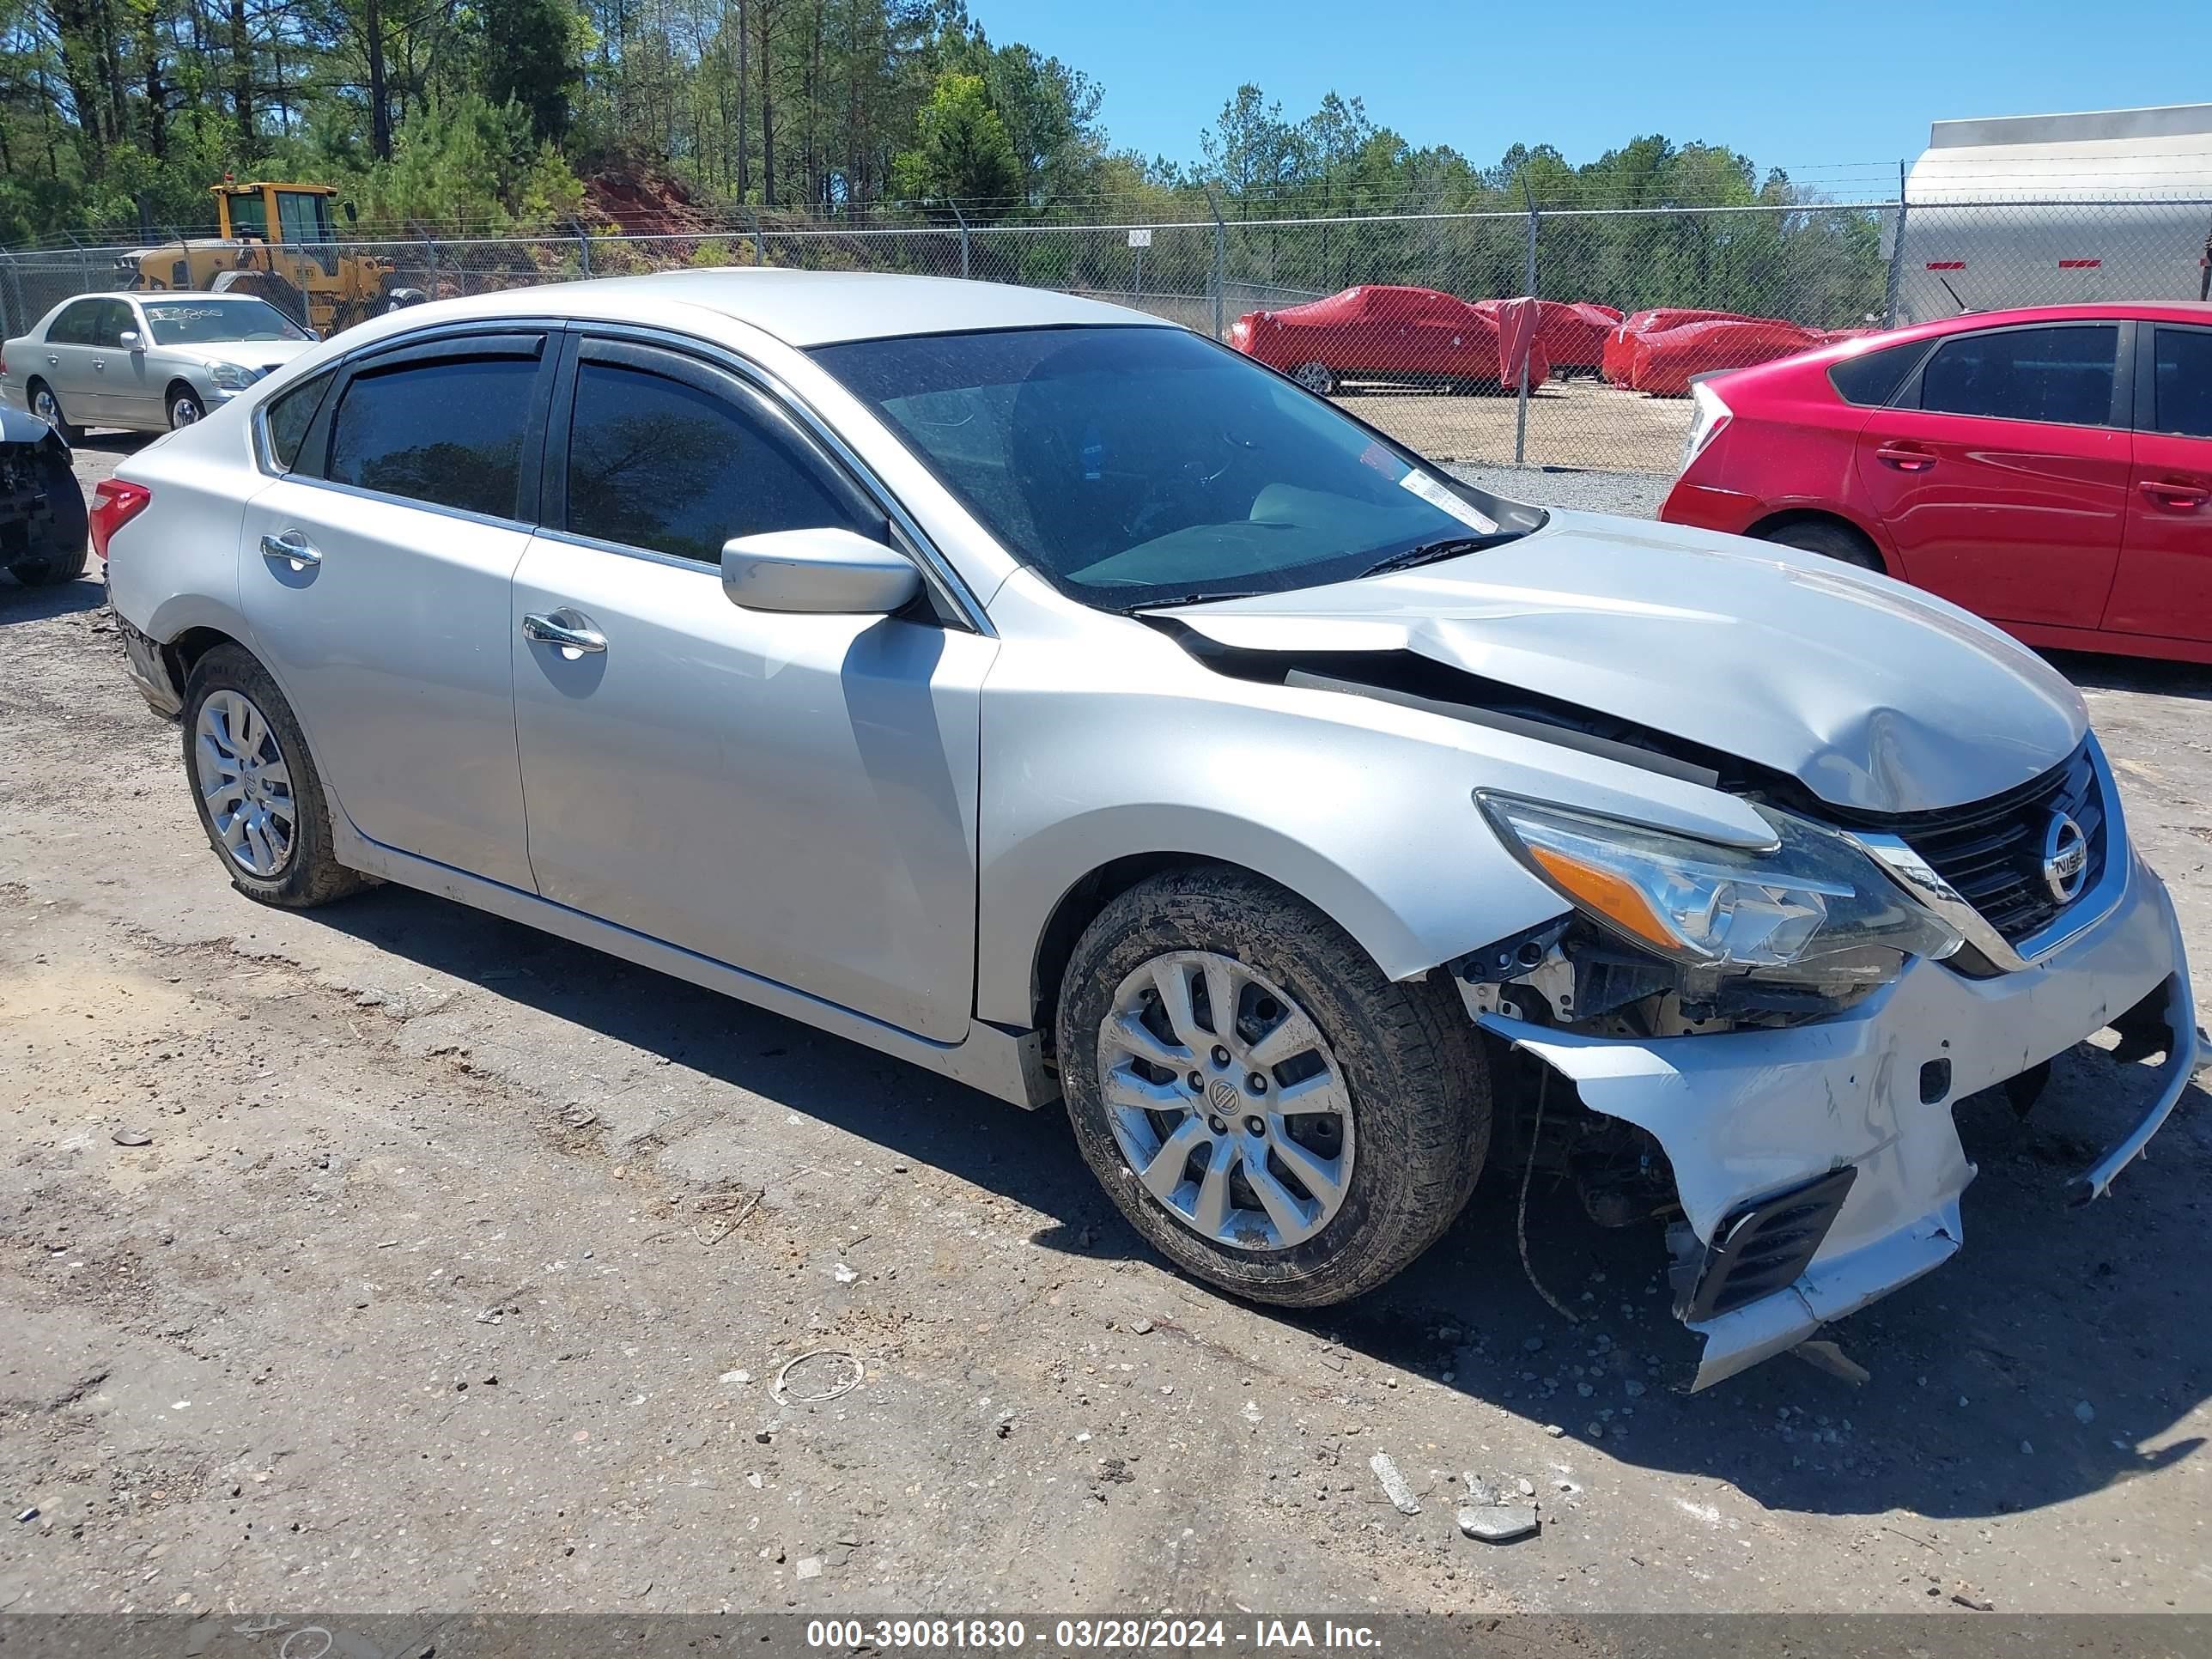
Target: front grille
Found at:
1992, 851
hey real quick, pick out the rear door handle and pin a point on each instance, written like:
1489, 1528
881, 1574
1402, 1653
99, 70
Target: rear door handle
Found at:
291, 548
1905, 457
569, 637
2175, 494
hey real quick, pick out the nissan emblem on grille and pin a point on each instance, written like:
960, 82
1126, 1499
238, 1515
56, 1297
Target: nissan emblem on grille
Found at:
2065, 858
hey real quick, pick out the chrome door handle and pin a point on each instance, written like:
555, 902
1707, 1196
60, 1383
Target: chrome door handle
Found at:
101, 363
543, 630
291, 547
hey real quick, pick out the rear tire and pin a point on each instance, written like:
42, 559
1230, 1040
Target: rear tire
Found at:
1397, 1061
48, 407
287, 860
1830, 541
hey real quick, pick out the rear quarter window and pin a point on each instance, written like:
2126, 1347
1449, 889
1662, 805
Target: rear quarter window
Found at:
1872, 378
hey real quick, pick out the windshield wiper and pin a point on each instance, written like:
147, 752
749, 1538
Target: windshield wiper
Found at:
1130, 610
1430, 552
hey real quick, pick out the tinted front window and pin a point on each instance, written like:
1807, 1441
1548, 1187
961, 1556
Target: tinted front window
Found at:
2182, 398
111, 321
2059, 374
1136, 466
448, 433
1872, 377
206, 321
290, 414
658, 463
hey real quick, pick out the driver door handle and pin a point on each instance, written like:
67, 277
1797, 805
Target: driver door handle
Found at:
2177, 493
292, 548
546, 631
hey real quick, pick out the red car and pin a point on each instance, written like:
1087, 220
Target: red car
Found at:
1413, 335
1666, 360
2050, 469
1618, 362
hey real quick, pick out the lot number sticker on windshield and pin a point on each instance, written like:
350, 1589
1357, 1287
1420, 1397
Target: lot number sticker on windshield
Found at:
1437, 496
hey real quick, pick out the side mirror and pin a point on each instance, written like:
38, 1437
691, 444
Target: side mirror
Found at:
130, 340
826, 572
352, 213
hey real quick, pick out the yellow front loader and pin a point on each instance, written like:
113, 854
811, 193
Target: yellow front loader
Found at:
277, 241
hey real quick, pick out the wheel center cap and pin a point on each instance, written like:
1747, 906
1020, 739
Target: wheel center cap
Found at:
1221, 1094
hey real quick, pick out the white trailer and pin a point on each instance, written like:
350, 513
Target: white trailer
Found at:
2056, 210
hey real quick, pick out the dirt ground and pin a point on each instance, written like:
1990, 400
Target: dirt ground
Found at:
1579, 422
460, 1264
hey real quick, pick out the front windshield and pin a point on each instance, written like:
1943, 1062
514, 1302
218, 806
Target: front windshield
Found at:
1137, 466
213, 321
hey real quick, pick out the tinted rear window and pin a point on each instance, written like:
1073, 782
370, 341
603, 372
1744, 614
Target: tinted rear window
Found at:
448, 433
2062, 375
2182, 401
1873, 377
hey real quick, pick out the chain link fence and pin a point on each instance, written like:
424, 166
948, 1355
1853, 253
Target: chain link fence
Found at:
1399, 314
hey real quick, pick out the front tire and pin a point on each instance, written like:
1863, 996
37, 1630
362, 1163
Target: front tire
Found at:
1271, 1112
259, 798
185, 408
1316, 377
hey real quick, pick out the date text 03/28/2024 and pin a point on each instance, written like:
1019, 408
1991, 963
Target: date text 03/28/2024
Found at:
1090, 1635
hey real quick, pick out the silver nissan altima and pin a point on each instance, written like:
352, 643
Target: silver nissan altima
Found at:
1057, 700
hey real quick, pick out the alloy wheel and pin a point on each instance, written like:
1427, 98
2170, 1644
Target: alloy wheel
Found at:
47, 408
183, 411
1226, 1101
242, 776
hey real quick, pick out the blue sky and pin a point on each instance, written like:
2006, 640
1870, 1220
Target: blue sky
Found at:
1838, 94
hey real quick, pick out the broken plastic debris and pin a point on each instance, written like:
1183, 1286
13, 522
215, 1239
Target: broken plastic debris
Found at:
1394, 1484
1825, 1355
839, 1375
1497, 1523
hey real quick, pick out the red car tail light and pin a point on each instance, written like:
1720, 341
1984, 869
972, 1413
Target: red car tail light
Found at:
115, 503
1709, 418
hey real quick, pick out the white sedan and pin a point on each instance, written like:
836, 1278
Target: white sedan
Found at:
144, 362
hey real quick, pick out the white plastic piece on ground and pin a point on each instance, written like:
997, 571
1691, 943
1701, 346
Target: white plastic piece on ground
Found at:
1394, 1484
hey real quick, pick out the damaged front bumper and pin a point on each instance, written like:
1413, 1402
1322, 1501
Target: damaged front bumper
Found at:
1824, 1155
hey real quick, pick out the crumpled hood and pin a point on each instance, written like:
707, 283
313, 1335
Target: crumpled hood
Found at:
1874, 694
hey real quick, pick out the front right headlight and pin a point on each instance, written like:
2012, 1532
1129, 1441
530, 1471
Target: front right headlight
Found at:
234, 377
1811, 909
